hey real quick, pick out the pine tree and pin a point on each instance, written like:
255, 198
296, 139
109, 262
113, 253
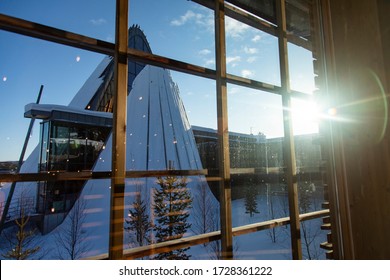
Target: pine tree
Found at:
305, 196
172, 202
250, 201
138, 222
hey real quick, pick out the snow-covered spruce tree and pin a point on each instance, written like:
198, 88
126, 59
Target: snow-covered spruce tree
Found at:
172, 202
250, 200
138, 223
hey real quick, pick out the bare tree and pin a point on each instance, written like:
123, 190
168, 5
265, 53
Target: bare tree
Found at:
214, 247
309, 231
206, 219
71, 240
204, 211
20, 237
272, 231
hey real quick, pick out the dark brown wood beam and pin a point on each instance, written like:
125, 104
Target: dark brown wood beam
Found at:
255, 22
118, 163
59, 36
92, 175
223, 133
288, 144
55, 35
167, 246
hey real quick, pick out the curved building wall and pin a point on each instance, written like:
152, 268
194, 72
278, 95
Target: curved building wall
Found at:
158, 137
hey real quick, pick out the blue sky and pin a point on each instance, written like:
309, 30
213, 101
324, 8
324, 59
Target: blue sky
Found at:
177, 29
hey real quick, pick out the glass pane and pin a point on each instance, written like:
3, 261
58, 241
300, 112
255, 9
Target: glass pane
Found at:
199, 98
300, 46
45, 145
271, 244
83, 17
298, 19
26, 65
168, 208
310, 181
198, 95
262, 8
182, 30
301, 69
259, 190
312, 237
251, 53
159, 134
255, 112
256, 158
59, 148
305, 116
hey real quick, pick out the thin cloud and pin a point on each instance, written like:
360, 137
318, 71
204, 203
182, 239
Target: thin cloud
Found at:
232, 59
233, 90
251, 59
247, 73
204, 52
250, 50
203, 19
256, 38
99, 21
209, 62
109, 38
235, 28
188, 16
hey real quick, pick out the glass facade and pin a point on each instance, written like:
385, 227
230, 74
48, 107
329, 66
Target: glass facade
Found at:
67, 147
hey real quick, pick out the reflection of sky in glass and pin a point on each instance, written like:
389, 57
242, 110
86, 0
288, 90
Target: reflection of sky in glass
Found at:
301, 69
251, 53
184, 31
253, 111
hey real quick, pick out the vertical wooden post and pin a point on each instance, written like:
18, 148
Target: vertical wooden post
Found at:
223, 134
288, 146
119, 132
326, 64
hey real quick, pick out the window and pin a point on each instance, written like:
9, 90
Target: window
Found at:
248, 146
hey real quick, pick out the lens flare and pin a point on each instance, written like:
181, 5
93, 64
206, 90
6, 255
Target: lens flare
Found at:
332, 112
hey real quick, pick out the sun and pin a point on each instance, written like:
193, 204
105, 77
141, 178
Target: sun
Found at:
305, 116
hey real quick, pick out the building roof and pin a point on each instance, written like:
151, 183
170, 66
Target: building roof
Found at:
67, 114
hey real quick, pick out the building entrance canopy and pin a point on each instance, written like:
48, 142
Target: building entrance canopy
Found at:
51, 112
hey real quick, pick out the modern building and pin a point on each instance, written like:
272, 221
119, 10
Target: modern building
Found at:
348, 42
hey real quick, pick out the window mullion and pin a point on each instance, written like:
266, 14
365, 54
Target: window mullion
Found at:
223, 134
288, 145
